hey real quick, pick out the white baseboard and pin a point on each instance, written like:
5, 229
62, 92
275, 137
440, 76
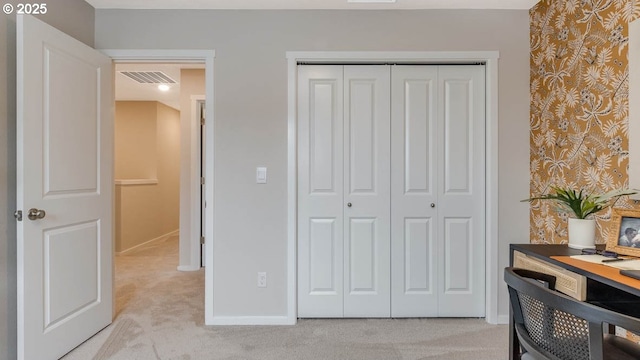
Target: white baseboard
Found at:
252, 320
503, 319
161, 237
126, 182
188, 268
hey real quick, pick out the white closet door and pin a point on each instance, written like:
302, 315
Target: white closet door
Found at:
320, 191
367, 190
461, 197
354, 197
415, 143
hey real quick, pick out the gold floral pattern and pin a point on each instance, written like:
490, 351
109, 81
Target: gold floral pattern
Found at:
579, 105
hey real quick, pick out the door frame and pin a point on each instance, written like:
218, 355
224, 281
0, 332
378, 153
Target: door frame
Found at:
193, 244
197, 169
490, 58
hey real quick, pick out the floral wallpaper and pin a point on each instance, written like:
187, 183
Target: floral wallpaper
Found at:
579, 105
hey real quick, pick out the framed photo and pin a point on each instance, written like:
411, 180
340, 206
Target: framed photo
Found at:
624, 237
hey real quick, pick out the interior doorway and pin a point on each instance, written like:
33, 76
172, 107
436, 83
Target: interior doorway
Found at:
191, 258
154, 117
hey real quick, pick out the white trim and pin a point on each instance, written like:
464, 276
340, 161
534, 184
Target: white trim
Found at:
161, 237
159, 56
128, 182
206, 56
252, 320
187, 268
492, 251
209, 166
503, 320
292, 191
345, 57
491, 162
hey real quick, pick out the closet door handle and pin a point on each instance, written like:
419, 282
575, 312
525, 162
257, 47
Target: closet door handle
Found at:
433, 205
348, 204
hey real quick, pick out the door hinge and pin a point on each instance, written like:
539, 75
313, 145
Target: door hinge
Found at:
18, 215
202, 121
201, 239
202, 180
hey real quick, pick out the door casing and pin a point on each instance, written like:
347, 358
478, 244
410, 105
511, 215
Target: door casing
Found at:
490, 58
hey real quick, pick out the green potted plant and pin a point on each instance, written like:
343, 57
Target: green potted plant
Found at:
581, 206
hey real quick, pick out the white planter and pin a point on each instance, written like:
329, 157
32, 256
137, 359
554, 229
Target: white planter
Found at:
582, 233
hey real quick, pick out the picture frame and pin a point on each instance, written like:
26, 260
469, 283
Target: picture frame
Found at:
625, 224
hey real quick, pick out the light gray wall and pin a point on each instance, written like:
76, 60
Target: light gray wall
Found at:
251, 116
75, 17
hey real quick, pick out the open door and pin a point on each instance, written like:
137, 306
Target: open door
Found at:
64, 191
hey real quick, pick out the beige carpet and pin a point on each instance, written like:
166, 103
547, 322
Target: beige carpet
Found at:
160, 315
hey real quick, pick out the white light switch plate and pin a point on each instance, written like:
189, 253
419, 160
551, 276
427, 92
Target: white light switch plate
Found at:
261, 175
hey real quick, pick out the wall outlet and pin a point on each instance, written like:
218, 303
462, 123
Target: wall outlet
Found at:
262, 279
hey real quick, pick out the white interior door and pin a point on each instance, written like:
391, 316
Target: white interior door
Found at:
366, 191
64, 168
320, 191
461, 195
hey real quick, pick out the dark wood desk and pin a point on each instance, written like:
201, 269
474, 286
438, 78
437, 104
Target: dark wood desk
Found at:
604, 286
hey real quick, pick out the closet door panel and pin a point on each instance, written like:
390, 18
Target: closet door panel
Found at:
414, 151
367, 185
461, 194
320, 191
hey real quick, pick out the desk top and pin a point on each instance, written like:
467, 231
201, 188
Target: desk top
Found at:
559, 255
601, 270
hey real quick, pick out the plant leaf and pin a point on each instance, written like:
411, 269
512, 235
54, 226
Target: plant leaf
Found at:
580, 203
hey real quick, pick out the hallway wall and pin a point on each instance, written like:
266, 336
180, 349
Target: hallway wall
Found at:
147, 143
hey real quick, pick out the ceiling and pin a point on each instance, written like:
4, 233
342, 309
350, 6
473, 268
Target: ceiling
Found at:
128, 89
313, 4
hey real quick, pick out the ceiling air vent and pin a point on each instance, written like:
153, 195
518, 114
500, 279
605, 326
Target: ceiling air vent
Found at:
148, 77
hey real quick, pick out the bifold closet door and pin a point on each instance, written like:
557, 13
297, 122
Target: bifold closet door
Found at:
391, 191
438, 147
343, 191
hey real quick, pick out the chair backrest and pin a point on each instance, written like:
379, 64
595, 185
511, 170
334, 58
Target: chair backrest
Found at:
554, 326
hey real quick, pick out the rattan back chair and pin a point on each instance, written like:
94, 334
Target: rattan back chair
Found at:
551, 325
